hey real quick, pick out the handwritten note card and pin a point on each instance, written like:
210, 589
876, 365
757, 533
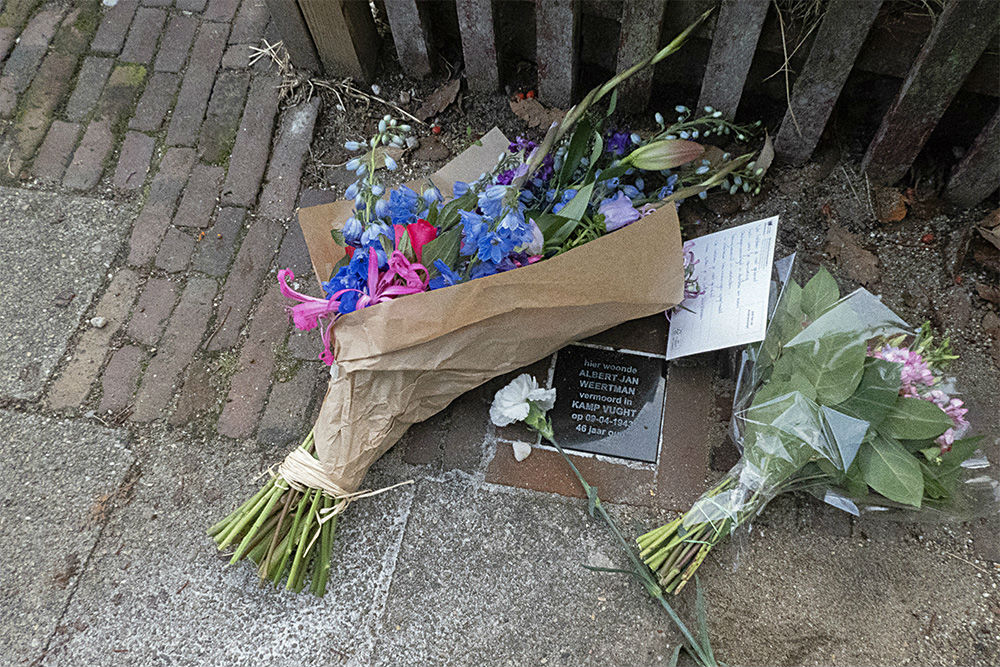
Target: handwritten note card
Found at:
734, 270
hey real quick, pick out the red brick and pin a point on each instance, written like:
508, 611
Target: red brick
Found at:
252, 379
114, 27
181, 340
687, 434
22, 65
286, 418
74, 383
84, 172
197, 85
89, 84
198, 395
281, 187
294, 255
216, 249
151, 313
250, 22
223, 117
175, 251
200, 197
176, 43
142, 37
171, 176
155, 103
237, 57
120, 379
252, 263
221, 10
253, 142
147, 231
191, 5
133, 162
120, 93
56, 151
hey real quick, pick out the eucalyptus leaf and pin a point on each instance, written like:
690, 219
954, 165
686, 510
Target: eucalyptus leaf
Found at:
891, 470
915, 419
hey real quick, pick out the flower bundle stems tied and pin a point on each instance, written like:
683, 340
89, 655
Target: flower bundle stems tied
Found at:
287, 530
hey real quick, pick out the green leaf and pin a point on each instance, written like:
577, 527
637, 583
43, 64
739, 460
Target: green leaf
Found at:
577, 147
785, 324
338, 236
449, 215
891, 470
834, 364
577, 206
877, 392
613, 103
854, 481
819, 294
915, 419
547, 223
444, 247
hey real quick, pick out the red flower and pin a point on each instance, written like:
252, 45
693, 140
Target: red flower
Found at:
420, 233
350, 251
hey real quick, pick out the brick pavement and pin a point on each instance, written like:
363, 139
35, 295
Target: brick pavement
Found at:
153, 101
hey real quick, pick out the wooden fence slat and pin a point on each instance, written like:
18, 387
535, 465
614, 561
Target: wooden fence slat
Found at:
409, 27
557, 36
294, 33
956, 42
479, 44
641, 22
978, 174
838, 41
733, 46
345, 36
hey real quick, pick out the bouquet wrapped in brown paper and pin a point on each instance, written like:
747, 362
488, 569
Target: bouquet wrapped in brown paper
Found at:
438, 294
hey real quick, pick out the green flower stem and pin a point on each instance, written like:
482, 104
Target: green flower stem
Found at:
237, 527
238, 512
275, 575
297, 572
265, 562
272, 500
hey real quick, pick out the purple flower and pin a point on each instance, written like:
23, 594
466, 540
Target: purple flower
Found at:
619, 143
618, 212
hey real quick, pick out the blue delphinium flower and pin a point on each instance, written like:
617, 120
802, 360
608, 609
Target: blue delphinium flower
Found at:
483, 269
473, 227
403, 205
352, 231
567, 195
631, 191
495, 246
447, 277
459, 188
491, 201
353, 276
370, 237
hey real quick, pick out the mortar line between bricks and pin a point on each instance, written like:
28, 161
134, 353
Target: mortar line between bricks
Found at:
134, 469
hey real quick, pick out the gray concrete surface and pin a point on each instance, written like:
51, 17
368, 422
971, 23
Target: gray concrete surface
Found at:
59, 480
55, 252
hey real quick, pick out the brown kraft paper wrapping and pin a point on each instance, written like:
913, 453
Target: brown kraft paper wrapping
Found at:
401, 361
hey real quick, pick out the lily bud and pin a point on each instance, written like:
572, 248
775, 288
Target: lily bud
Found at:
664, 154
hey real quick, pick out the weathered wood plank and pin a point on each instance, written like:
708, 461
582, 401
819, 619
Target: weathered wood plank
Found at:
733, 46
838, 41
978, 174
956, 42
557, 37
479, 44
411, 35
345, 36
641, 22
294, 33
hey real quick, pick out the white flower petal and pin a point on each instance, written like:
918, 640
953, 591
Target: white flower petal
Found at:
521, 450
545, 398
511, 403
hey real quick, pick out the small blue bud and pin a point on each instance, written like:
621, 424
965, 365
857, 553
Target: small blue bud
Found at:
353, 164
390, 164
352, 145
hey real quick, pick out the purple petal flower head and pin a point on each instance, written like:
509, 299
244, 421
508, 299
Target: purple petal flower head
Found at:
505, 177
619, 143
618, 212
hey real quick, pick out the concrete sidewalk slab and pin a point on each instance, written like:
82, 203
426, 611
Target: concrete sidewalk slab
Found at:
56, 253
59, 477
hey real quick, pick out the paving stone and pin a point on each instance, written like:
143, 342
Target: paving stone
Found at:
143, 36
221, 10
250, 384
237, 57
84, 172
133, 162
294, 255
180, 341
453, 438
39, 104
72, 386
8, 36
175, 251
197, 85
286, 420
114, 27
56, 151
176, 43
89, 84
281, 187
248, 28
22, 65
216, 249
120, 379
154, 561
59, 477
147, 231
223, 117
305, 345
200, 197
171, 176
253, 142
198, 395
191, 5
157, 3
251, 265
156, 101
152, 311
124, 85
74, 34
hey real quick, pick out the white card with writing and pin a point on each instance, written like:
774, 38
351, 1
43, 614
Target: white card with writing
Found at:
734, 270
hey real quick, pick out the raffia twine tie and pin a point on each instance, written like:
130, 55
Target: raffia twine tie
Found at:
302, 471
